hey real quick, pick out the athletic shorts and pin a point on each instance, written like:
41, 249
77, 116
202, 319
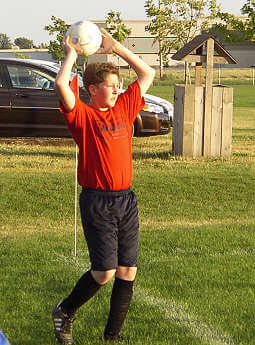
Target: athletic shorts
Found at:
111, 227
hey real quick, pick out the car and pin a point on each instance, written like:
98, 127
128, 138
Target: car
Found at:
29, 104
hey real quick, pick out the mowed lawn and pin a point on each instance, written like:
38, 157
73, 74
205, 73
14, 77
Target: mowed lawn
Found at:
196, 280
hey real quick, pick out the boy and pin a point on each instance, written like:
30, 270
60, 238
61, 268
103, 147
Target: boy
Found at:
103, 133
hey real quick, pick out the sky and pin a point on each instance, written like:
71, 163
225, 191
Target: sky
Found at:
28, 18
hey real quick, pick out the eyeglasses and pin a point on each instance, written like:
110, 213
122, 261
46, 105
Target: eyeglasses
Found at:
112, 85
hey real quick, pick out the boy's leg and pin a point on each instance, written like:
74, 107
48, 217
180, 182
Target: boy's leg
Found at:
127, 266
102, 244
122, 293
85, 288
63, 313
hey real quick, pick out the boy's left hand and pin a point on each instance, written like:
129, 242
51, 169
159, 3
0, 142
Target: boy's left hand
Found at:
108, 43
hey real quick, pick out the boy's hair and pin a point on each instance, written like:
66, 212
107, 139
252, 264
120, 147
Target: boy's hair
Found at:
96, 73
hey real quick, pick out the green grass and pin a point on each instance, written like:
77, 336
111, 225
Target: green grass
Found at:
172, 76
196, 280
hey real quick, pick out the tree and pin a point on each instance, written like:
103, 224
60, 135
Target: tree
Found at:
58, 28
234, 29
24, 43
43, 46
116, 27
181, 20
5, 42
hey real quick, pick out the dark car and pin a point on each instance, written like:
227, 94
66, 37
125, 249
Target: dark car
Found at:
29, 105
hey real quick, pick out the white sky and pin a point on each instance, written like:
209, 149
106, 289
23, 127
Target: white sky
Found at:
27, 18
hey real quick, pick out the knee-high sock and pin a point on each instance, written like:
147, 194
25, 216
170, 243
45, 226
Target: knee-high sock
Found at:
85, 289
122, 293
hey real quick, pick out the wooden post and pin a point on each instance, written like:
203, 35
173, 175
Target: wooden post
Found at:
227, 114
208, 98
198, 121
187, 135
188, 121
216, 124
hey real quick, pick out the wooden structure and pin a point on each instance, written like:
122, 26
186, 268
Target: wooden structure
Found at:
202, 123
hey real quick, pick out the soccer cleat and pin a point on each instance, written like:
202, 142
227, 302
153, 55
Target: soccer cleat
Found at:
62, 326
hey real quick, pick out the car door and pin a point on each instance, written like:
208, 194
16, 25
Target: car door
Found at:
34, 104
5, 103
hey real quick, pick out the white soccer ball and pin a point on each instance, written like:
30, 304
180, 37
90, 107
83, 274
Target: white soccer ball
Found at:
86, 37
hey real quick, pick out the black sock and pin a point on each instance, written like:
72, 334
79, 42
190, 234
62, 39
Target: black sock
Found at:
122, 293
85, 288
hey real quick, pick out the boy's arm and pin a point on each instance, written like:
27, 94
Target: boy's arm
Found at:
62, 87
144, 72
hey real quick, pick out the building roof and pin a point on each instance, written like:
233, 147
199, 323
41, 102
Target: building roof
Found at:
190, 50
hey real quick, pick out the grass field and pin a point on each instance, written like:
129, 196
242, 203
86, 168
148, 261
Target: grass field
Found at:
196, 281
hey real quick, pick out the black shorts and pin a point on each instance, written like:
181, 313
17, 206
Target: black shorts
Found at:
111, 227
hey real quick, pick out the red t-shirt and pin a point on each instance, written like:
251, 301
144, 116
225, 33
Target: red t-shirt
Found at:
104, 139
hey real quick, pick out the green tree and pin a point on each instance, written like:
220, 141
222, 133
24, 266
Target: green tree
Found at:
43, 46
181, 20
231, 28
5, 42
57, 29
24, 43
116, 27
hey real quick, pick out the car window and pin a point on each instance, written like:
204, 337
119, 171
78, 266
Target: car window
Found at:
29, 77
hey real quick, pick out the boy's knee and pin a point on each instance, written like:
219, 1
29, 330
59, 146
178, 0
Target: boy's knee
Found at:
126, 273
103, 277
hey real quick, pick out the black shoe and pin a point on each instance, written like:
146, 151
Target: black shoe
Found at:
62, 326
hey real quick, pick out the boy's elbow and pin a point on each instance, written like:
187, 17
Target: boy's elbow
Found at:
153, 73
57, 85
60, 87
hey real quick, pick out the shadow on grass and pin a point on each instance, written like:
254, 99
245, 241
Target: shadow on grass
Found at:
36, 154
164, 155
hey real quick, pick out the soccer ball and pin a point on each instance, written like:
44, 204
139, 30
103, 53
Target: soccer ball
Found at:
86, 37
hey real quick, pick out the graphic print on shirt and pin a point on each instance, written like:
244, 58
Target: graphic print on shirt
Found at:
113, 129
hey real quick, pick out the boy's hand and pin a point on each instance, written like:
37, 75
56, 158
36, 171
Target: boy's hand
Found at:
69, 47
108, 43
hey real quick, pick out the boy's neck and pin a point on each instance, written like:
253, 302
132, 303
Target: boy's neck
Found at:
96, 106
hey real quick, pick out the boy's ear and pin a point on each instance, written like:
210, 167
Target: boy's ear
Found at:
92, 89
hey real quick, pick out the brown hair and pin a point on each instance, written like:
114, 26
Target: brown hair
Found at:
95, 73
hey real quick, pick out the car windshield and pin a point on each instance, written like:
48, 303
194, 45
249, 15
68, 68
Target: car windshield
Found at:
56, 68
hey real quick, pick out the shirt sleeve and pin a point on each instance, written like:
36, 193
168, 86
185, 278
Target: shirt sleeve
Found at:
74, 117
70, 115
132, 101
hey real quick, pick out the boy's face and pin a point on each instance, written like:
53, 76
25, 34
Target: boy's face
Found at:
105, 94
